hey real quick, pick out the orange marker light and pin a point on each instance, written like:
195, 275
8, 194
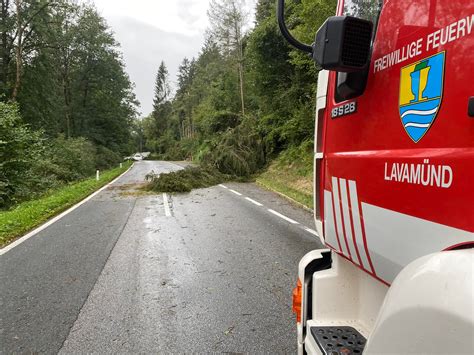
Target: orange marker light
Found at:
297, 295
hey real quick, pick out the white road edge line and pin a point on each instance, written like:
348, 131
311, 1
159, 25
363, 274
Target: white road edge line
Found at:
167, 206
225, 187
58, 217
288, 219
253, 201
235, 192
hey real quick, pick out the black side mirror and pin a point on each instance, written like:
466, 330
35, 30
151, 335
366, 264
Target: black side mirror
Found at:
343, 44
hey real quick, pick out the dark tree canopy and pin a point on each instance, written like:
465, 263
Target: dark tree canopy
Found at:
67, 104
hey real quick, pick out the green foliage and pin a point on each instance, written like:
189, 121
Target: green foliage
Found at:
74, 158
70, 77
298, 158
106, 158
186, 179
28, 215
291, 174
74, 106
30, 164
219, 121
238, 151
19, 148
277, 84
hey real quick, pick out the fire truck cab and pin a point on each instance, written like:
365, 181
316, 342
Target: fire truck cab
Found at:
393, 181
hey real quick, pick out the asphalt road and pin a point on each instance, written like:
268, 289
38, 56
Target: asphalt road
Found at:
208, 271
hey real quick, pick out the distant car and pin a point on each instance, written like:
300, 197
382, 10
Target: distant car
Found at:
137, 157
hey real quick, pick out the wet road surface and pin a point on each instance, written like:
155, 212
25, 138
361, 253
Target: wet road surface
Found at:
208, 271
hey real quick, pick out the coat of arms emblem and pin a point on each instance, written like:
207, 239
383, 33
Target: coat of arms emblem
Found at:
421, 91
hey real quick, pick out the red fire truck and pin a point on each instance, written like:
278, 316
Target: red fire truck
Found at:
393, 181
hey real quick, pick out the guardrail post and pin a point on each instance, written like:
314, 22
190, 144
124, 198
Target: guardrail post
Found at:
97, 175
120, 165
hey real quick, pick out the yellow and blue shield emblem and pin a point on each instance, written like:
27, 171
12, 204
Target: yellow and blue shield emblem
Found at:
421, 91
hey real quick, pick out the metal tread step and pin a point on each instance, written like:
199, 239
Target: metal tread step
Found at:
337, 340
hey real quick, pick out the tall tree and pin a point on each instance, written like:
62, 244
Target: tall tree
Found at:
162, 88
25, 39
158, 122
264, 9
182, 100
74, 82
6, 45
228, 19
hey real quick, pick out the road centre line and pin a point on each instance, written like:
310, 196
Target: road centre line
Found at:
253, 201
58, 217
166, 204
292, 221
235, 192
288, 219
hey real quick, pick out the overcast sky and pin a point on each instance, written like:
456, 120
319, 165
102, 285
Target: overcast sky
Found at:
150, 31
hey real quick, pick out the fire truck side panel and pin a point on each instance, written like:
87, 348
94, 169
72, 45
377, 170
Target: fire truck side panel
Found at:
397, 173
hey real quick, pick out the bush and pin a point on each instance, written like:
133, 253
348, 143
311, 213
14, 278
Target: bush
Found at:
74, 158
19, 149
106, 158
30, 164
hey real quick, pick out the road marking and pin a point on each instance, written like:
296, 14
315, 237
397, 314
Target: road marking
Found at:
58, 217
312, 231
288, 219
167, 206
235, 192
253, 201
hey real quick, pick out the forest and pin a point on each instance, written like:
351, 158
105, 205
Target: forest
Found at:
247, 97
67, 105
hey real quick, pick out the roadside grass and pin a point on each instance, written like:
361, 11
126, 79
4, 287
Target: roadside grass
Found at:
184, 180
291, 174
27, 215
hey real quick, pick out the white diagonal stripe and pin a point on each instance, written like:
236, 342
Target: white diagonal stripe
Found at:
235, 192
357, 225
347, 219
330, 231
337, 209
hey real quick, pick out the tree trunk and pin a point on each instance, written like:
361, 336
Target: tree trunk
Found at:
18, 51
5, 46
240, 55
241, 82
66, 93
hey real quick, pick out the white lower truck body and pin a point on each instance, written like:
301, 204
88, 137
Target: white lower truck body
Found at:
428, 309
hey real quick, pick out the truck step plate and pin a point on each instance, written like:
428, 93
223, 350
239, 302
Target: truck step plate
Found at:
338, 340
